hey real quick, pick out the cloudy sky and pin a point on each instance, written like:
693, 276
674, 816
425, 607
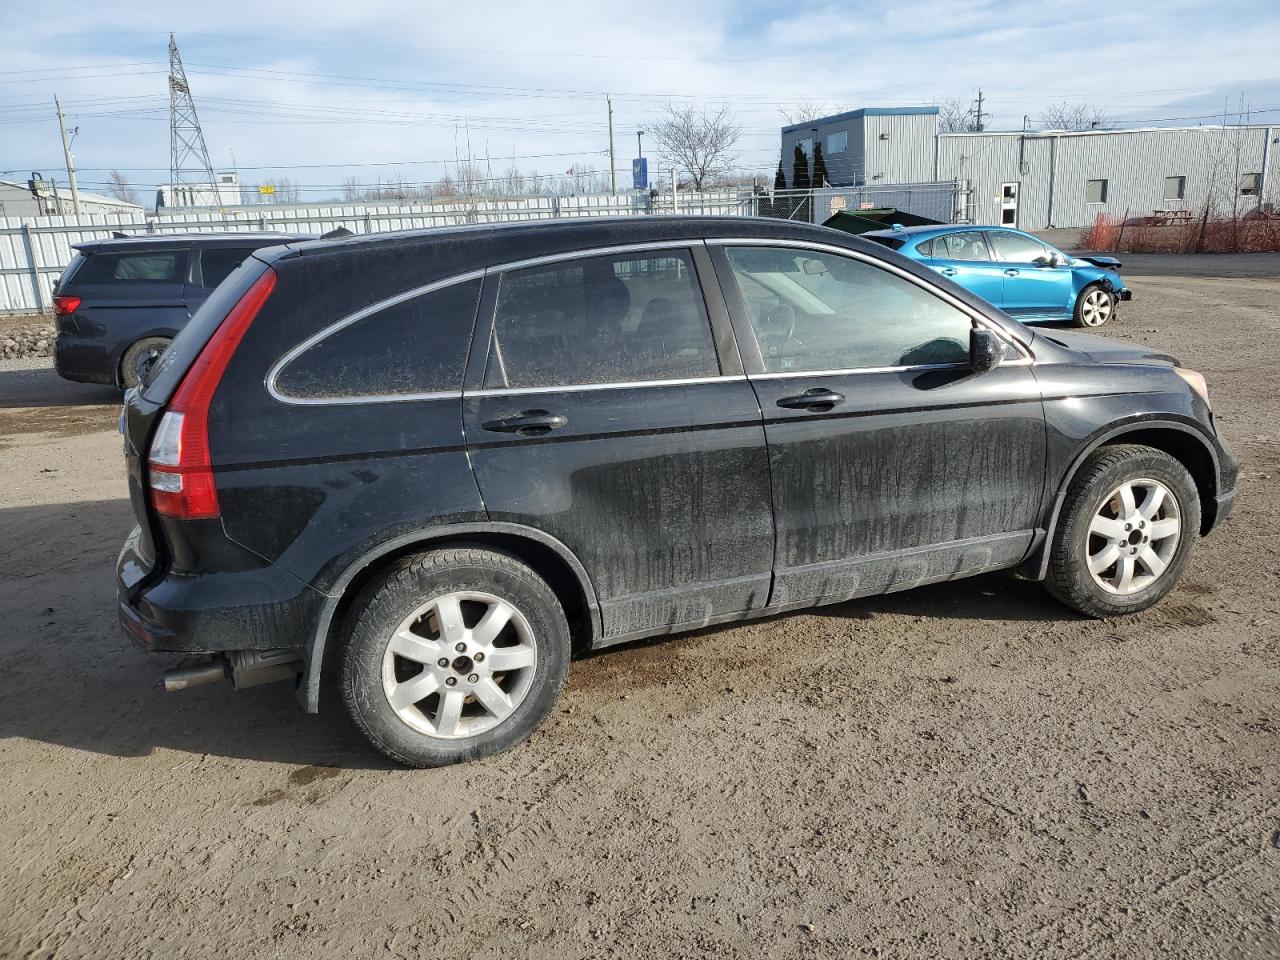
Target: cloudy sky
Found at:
319, 92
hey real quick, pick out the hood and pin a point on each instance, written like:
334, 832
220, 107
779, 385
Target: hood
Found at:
1106, 263
1104, 350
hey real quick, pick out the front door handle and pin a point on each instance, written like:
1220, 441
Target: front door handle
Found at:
1011, 272
819, 399
527, 423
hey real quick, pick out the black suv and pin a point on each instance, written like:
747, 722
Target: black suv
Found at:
431, 466
120, 302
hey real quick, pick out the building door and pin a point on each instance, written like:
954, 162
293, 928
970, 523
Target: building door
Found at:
1008, 204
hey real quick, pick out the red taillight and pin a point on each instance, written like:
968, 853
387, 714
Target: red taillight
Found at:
181, 469
65, 306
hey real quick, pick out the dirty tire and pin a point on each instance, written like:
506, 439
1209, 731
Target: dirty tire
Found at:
1069, 578
1094, 307
407, 586
139, 358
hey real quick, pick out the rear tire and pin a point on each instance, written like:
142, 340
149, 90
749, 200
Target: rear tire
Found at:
1094, 307
140, 358
454, 654
1126, 533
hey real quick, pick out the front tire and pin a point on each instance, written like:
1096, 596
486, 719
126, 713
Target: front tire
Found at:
452, 655
1094, 307
1126, 533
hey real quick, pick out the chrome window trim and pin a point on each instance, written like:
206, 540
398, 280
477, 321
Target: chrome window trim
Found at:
296, 351
1027, 356
627, 385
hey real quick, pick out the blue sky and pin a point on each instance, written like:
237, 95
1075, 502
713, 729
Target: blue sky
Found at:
319, 92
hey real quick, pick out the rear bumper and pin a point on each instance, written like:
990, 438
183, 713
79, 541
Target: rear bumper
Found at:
84, 361
265, 608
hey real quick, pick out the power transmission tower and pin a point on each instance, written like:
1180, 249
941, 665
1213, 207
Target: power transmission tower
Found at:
189, 166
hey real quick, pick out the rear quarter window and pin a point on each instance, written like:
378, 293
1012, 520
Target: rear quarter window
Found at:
417, 346
150, 266
893, 243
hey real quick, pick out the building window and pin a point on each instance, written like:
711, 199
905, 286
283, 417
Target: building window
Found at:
1249, 184
1095, 191
807, 146
1175, 188
837, 142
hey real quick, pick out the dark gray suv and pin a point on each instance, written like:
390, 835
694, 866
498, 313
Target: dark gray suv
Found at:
120, 302
425, 468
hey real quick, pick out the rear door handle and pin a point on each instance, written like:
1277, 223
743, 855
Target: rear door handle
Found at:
527, 423
948, 271
1011, 272
819, 399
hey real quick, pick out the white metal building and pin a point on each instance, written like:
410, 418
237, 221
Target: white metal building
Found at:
1051, 178
16, 200
227, 193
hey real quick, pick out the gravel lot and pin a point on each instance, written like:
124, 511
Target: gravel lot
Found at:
962, 770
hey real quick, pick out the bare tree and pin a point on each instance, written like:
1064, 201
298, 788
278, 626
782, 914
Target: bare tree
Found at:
352, 189
956, 115
121, 189
806, 111
700, 141
1081, 116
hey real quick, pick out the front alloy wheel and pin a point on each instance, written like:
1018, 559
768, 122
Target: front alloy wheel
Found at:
1127, 528
1095, 307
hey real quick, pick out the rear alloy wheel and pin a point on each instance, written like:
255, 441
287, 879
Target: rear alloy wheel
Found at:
454, 654
1094, 307
1127, 529
140, 358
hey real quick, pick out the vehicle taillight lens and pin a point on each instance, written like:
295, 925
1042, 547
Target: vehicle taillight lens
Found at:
181, 469
65, 306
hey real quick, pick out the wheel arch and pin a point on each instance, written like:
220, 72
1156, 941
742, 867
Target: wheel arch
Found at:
1183, 442
544, 554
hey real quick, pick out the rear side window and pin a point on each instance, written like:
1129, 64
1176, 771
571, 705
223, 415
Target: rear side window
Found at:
617, 319
414, 347
151, 266
216, 263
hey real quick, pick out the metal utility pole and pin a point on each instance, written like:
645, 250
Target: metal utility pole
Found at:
639, 147
71, 164
189, 166
613, 166
977, 117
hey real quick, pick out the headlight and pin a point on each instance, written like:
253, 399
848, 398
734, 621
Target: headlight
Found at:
1195, 381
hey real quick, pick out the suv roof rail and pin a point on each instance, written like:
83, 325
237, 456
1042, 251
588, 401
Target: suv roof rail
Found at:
337, 233
120, 235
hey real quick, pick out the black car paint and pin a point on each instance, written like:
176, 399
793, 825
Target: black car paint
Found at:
111, 317
658, 504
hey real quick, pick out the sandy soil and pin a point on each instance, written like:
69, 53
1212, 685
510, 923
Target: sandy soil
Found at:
963, 770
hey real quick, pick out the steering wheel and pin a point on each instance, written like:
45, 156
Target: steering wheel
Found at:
778, 325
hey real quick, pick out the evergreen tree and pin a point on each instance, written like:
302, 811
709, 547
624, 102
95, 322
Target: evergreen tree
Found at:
820, 178
779, 178
800, 177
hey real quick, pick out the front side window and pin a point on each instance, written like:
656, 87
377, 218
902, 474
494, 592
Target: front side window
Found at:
1095, 191
152, 266
968, 245
821, 311
1015, 248
414, 347
612, 319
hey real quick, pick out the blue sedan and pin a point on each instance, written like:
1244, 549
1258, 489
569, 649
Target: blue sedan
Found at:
1023, 276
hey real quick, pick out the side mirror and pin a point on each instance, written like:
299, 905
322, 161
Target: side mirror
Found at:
986, 350
1045, 261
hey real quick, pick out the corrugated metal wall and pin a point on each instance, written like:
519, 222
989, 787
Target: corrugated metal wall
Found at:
899, 158
1134, 163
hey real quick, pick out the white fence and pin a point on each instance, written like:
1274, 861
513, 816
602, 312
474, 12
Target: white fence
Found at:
34, 251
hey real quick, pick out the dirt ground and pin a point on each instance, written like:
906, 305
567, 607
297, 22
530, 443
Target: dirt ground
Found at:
963, 770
